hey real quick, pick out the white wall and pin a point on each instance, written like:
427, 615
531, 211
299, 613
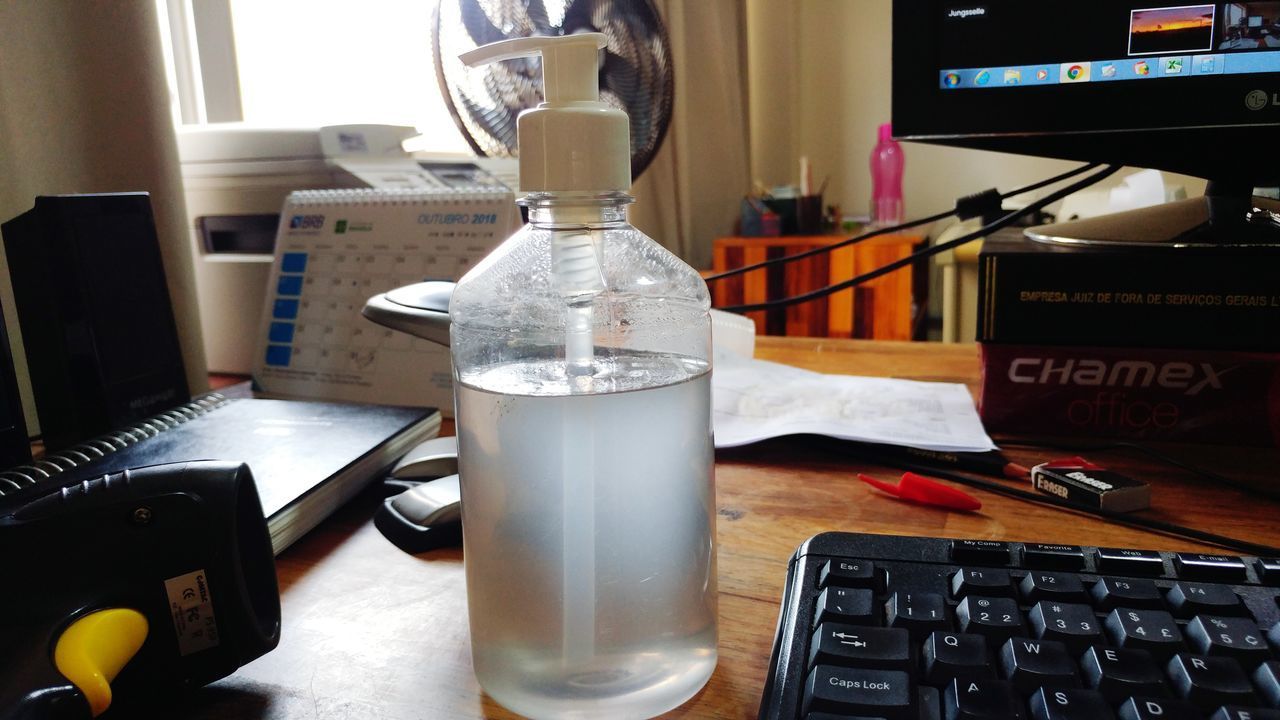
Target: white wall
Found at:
84, 107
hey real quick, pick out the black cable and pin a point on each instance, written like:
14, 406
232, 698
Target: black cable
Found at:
1159, 526
984, 231
960, 203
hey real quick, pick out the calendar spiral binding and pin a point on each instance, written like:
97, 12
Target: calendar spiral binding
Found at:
49, 466
382, 196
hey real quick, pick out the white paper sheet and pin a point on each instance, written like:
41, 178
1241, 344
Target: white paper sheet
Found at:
755, 400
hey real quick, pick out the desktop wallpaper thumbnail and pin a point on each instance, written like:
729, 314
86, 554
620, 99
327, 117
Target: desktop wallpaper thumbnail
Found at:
1188, 28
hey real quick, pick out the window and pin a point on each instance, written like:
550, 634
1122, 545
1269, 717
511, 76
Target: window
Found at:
299, 63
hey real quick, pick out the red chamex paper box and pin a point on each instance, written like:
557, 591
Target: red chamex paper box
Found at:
1209, 396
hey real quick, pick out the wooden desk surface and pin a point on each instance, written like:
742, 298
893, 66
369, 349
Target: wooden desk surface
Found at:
371, 632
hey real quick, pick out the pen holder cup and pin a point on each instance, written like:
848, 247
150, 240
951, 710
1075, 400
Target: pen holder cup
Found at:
809, 215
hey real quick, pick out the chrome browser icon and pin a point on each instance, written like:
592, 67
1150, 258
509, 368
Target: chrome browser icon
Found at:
1075, 72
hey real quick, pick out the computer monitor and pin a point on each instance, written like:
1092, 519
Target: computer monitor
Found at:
1189, 88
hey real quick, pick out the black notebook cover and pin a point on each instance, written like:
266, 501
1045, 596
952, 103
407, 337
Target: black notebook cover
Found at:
307, 457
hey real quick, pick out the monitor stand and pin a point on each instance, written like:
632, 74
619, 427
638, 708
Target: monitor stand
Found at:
1226, 216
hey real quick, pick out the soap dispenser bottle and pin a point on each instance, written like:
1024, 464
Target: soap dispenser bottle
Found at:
582, 366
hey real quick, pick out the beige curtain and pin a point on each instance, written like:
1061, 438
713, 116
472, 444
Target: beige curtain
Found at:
84, 107
690, 194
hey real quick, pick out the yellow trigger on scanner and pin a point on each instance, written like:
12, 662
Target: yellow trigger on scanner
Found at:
95, 648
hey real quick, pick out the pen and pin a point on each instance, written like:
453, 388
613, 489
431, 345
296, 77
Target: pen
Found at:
991, 463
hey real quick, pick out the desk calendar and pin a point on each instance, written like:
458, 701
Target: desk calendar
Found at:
337, 248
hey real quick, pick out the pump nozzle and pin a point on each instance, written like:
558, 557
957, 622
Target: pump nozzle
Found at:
570, 64
572, 141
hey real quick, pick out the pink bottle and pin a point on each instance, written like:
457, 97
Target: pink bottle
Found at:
886, 179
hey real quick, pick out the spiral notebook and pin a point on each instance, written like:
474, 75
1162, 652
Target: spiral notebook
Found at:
337, 248
307, 458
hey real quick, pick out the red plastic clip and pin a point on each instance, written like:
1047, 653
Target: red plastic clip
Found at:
919, 489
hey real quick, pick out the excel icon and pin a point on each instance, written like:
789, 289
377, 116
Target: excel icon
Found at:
340, 227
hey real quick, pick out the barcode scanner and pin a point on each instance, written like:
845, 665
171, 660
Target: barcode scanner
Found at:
136, 584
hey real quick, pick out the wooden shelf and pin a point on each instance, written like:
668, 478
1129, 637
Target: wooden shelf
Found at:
879, 309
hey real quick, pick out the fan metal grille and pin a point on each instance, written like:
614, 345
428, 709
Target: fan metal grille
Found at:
635, 71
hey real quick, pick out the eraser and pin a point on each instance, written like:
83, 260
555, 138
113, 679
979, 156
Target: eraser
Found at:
1080, 481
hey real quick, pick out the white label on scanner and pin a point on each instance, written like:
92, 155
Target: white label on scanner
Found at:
192, 611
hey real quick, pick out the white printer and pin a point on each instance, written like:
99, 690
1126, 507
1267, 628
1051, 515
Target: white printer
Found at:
236, 179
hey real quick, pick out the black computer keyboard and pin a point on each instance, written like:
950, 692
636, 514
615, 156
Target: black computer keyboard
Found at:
879, 626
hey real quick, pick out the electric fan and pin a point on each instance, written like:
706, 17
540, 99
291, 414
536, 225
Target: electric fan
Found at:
635, 73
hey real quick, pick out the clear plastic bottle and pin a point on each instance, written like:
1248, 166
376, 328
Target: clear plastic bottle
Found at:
581, 352
887, 163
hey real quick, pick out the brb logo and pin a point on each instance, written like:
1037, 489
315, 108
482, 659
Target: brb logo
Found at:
1259, 99
306, 222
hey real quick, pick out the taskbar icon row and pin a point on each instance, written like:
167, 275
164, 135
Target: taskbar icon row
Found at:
1109, 70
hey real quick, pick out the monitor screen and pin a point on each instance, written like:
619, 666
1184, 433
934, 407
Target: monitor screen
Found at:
1187, 87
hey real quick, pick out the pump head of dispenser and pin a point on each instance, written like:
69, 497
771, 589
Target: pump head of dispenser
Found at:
572, 141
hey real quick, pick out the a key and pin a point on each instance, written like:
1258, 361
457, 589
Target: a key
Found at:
1062, 587
948, 656
1209, 682
884, 694
1118, 673
1147, 708
1267, 680
1061, 704
985, 582
1152, 630
847, 573
1188, 599
980, 700
856, 646
1031, 664
1238, 638
1072, 624
847, 605
1137, 593
998, 619
917, 613
1241, 713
